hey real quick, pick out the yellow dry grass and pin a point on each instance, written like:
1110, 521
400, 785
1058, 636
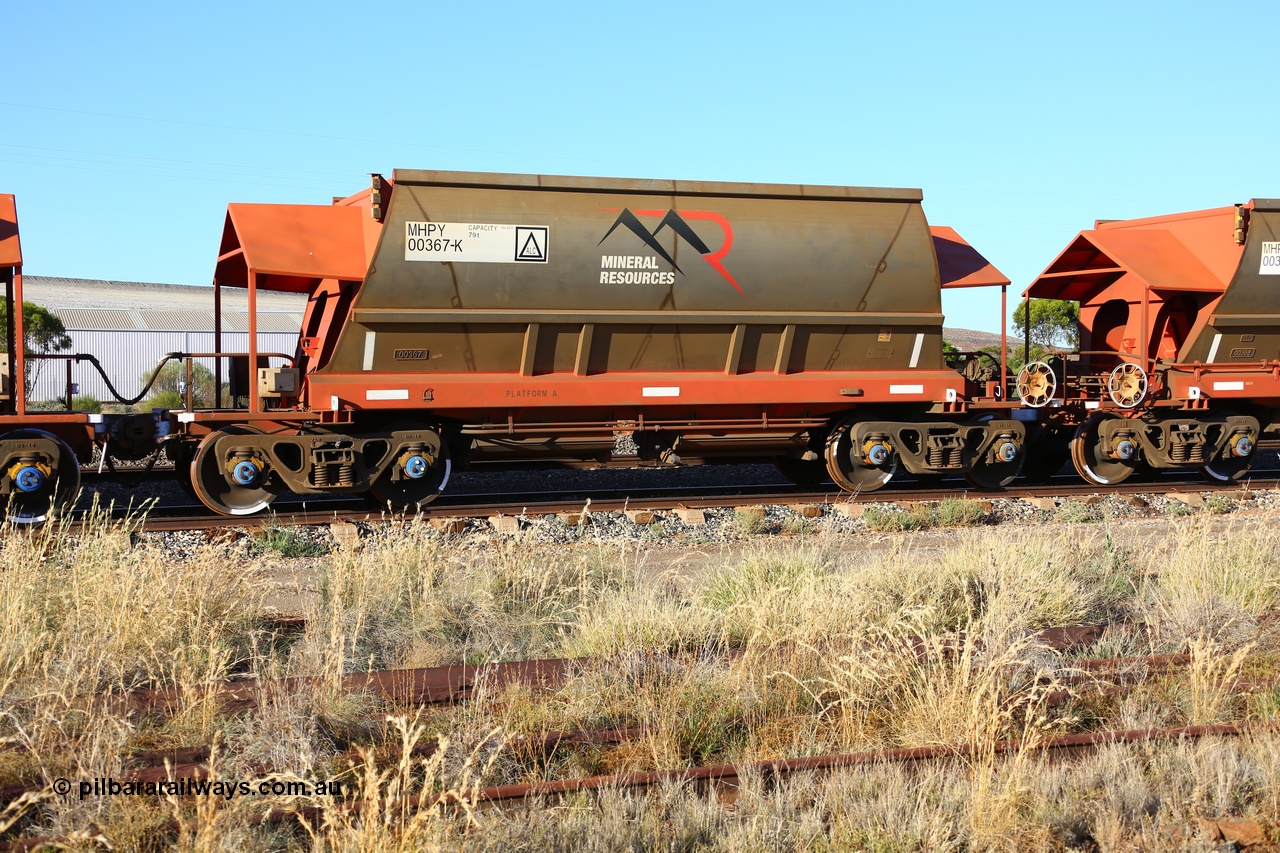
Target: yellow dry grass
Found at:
794, 647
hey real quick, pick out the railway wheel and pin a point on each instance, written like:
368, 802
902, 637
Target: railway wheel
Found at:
1093, 461
1235, 461
233, 480
998, 467
40, 482
859, 469
800, 472
416, 477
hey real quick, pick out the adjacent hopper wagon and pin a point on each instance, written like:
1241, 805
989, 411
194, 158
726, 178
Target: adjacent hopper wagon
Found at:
41, 451
1179, 362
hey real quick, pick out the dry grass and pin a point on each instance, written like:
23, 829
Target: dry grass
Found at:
793, 647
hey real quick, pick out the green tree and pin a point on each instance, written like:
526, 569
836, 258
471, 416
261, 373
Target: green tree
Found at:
1055, 323
166, 391
42, 334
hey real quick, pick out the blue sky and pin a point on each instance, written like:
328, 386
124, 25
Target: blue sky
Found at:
128, 127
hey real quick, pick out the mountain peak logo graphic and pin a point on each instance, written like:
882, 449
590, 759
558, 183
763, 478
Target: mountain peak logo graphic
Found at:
675, 220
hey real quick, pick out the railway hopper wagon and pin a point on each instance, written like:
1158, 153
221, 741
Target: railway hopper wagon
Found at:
1179, 362
41, 451
461, 318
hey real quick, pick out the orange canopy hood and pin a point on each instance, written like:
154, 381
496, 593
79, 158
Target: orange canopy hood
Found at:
10, 246
961, 265
294, 244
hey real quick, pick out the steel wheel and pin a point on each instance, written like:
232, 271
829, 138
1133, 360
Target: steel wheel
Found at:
51, 490
1036, 384
215, 486
1127, 385
1231, 466
399, 490
989, 473
1227, 470
1090, 459
808, 474
845, 463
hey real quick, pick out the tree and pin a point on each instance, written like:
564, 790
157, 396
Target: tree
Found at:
1055, 323
42, 334
166, 391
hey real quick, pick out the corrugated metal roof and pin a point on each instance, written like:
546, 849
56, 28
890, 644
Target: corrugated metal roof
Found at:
97, 318
157, 320
175, 321
268, 321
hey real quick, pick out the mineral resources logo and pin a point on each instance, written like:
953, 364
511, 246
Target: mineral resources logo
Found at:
643, 269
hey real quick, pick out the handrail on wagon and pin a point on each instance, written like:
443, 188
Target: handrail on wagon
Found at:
189, 357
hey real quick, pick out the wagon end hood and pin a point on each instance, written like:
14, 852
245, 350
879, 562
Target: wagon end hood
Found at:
961, 265
1193, 251
10, 246
294, 245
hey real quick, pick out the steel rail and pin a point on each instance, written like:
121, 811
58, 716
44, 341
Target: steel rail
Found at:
334, 510
732, 775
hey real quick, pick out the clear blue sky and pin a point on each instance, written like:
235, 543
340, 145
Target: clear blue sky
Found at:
128, 127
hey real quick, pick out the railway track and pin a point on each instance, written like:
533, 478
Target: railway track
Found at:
445, 685
722, 776
314, 512
1096, 678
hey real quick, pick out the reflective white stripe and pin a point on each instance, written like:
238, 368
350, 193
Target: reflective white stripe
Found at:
333, 403
1228, 386
186, 417
95, 419
1213, 350
368, 350
660, 392
388, 394
915, 353
906, 389
1092, 404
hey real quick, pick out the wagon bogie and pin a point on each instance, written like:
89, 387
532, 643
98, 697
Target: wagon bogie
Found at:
240, 470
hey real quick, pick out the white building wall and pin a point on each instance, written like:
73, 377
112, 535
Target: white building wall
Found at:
128, 356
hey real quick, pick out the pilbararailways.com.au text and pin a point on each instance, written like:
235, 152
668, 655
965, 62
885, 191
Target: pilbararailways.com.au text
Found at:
107, 787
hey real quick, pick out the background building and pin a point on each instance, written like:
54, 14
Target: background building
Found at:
129, 326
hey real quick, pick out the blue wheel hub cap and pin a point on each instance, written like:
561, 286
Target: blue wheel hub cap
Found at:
1007, 452
415, 467
29, 479
1244, 446
877, 454
245, 473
